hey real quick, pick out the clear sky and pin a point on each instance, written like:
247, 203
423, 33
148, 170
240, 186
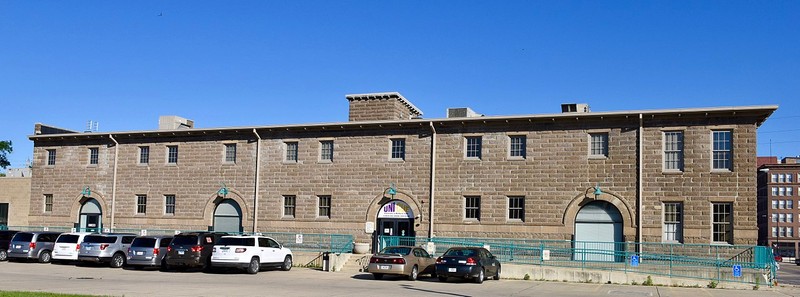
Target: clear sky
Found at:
249, 63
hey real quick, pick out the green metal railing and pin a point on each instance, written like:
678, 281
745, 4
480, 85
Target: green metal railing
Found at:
700, 261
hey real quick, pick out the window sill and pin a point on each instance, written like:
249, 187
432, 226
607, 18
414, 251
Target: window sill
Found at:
720, 243
169, 215
325, 162
323, 218
92, 166
288, 218
597, 157
721, 171
516, 159
171, 164
471, 221
472, 159
515, 221
289, 162
672, 172
228, 163
396, 160
143, 164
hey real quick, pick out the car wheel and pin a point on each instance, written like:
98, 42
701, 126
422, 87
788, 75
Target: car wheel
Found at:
480, 277
442, 279
254, 266
117, 260
287, 263
497, 275
3, 255
377, 276
414, 273
44, 257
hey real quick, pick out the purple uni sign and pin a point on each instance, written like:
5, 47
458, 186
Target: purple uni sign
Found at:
396, 210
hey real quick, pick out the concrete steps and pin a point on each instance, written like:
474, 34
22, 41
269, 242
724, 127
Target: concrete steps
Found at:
356, 263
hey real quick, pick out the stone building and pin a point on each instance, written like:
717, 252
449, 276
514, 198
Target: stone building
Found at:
15, 193
579, 175
778, 219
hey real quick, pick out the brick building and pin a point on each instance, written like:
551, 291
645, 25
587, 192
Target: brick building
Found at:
579, 175
778, 219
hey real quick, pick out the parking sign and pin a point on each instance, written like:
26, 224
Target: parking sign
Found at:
635, 260
737, 270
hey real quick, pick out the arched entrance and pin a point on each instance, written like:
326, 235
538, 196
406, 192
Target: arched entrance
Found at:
90, 218
598, 232
396, 218
228, 216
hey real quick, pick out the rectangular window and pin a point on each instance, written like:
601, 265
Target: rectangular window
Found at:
781, 178
782, 218
673, 218
169, 204
325, 206
789, 191
51, 157
789, 178
598, 146
783, 231
781, 191
789, 204
722, 222
517, 149
4, 214
398, 149
790, 217
774, 204
474, 144
774, 191
94, 155
144, 154
172, 154
774, 217
48, 202
289, 205
723, 146
141, 204
673, 151
472, 207
230, 153
291, 151
516, 208
789, 232
774, 232
774, 178
326, 150
781, 204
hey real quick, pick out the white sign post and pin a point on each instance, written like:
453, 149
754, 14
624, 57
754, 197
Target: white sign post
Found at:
143, 232
298, 238
545, 255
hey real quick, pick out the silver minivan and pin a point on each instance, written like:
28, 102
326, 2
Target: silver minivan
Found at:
67, 246
111, 248
148, 251
32, 245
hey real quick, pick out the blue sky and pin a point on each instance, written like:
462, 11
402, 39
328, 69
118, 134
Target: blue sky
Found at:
246, 63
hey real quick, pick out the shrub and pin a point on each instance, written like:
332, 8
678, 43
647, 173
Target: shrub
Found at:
712, 284
526, 277
648, 281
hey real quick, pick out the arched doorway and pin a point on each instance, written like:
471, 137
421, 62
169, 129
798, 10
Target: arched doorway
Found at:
598, 232
90, 218
396, 218
228, 217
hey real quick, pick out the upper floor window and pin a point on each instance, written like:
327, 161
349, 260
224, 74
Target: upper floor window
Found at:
141, 204
326, 150
94, 155
51, 157
516, 208
48, 202
723, 150
598, 146
673, 151
722, 222
289, 204
781, 178
774, 178
144, 154
291, 151
398, 149
473, 148
517, 146
789, 178
230, 153
472, 207
172, 154
673, 226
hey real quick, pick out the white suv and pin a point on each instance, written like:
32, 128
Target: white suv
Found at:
250, 253
68, 246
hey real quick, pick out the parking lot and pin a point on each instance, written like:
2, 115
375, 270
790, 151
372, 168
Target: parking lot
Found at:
306, 282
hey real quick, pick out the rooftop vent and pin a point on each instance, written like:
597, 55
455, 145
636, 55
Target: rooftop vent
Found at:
174, 123
574, 107
462, 112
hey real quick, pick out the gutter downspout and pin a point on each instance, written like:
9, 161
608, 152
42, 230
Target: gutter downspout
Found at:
114, 183
639, 190
258, 177
433, 180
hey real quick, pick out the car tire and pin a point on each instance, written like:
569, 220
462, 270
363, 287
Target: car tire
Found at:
377, 276
45, 257
117, 261
414, 273
254, 266
497, 275
287, 263
442, 279
479, 279
3, 255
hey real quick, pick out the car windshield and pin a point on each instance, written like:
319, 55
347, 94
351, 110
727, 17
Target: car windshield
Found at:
144, 242
68, 238
99, 239
23, 237
396, 250
461, 252
184, 240
237, 241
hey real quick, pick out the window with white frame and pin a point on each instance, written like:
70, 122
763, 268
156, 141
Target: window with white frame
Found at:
789, 232
172, 154
324, 206
598, 144
782, 218
398, 149
774, 191
774, 231
722, 150
782, 178
326, 150
789, 204
673, 222
473, 147
722, 222
783, 231
472, 207
774, 217
51, 157
230, 153
781, 191
144, 154
291, 151
790, 217
789, 191
169, 204
94, 155
781, 204
774, 204
141, 204
48, 202
289, 205
516, 208
774, 177
517, 146
673, 150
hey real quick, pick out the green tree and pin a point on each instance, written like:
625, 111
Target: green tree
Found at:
5, 148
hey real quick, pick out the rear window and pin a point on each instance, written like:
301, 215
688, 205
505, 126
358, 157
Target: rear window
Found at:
237, 241
144, 242
23, 237
99, 239
68, 239
165, 242
461, 252
396, 250
184, 240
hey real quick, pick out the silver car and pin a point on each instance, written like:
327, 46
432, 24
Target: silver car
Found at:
32, 245
148, 251
111, 248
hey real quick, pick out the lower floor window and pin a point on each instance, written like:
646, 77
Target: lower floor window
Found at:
169, 204
722, 222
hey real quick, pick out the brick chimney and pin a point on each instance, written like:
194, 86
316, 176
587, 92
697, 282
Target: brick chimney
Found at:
381, 106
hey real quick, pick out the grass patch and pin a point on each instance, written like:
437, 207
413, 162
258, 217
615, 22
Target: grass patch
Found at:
36, 294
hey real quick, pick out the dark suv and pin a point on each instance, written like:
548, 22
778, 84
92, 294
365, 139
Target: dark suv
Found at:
192, 250
5, 238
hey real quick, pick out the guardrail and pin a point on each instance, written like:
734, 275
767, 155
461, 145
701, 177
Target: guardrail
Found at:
729, 263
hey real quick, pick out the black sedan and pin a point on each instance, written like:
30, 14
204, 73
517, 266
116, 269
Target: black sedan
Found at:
467, 262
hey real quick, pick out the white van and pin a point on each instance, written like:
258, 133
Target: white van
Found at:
67, 246
251, 253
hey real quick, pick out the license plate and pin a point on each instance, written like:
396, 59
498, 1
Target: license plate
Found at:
384, 267
17, 246
451, 270
88, 248
139, 253
180, 252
